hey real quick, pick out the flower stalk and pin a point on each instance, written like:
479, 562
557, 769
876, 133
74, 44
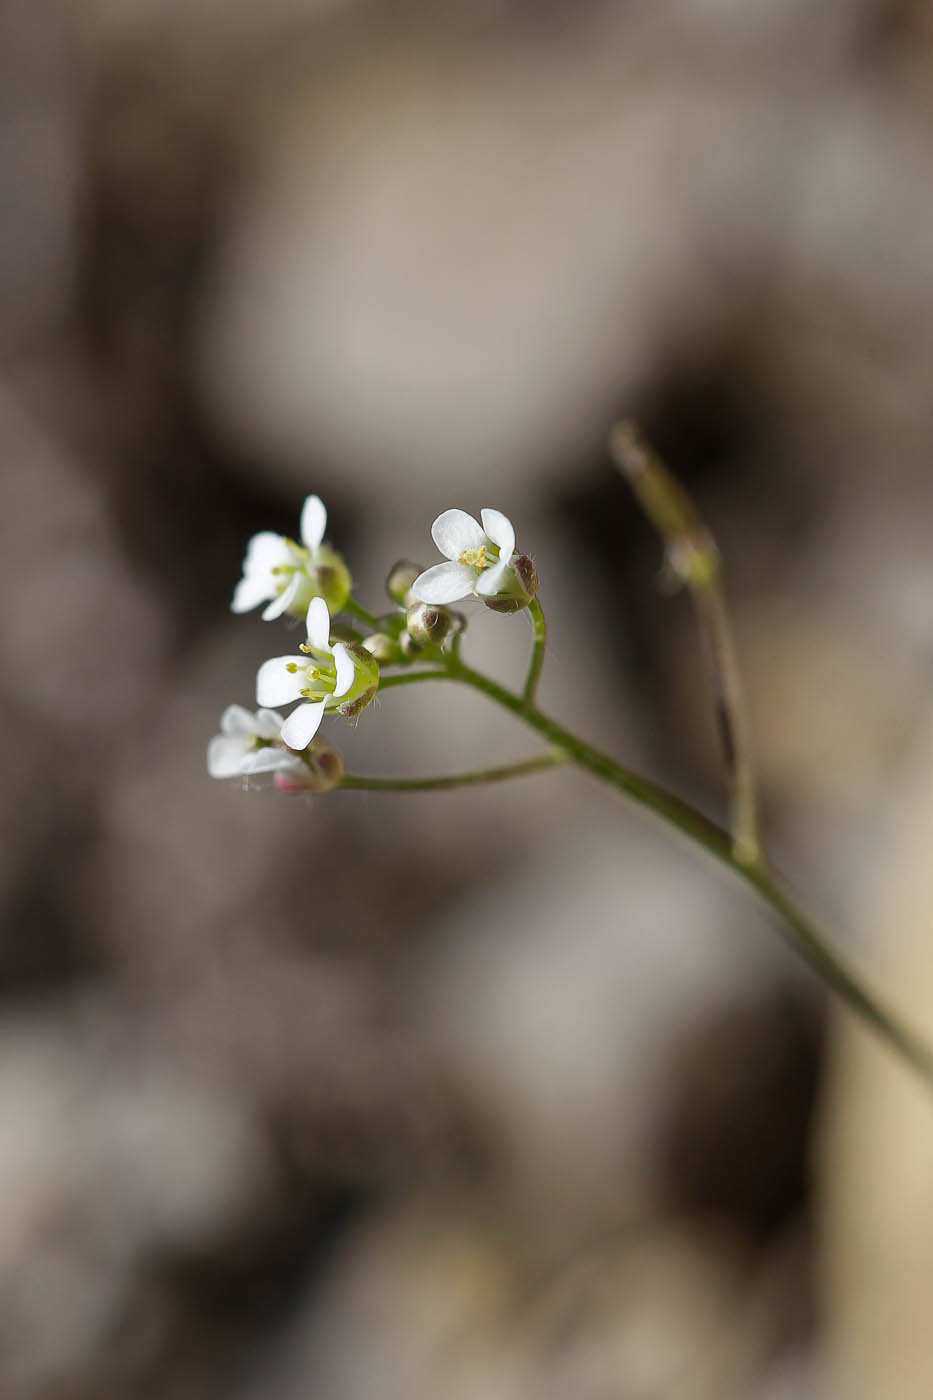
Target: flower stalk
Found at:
473, 778
694, 559
539, 645
803, 935
338, 672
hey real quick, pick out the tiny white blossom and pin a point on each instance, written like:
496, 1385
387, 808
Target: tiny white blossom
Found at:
480, 559
285, 575
325, 677
248, 744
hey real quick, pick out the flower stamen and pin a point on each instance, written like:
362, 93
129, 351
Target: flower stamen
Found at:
481, 557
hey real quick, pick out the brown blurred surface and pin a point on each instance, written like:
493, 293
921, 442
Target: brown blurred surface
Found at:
479, 1097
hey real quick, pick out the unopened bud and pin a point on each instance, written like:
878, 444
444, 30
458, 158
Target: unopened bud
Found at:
320, 770
409, 647
401, 577
520, 590
384, 648
428, 623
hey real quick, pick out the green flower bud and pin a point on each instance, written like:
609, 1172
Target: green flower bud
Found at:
384, 648
401, 577
428, 623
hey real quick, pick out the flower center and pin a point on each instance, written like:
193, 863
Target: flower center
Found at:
300, 559
321, 675
481, 557
255, 741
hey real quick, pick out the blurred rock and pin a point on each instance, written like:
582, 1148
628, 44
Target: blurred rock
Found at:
561, 997
421, 1302
480, 1095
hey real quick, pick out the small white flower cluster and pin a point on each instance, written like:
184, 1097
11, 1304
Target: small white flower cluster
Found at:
310, 579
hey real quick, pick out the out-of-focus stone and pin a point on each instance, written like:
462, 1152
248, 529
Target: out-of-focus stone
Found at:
423, 1302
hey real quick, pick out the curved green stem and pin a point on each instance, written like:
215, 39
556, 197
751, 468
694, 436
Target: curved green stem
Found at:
353, 607
693, 557
456, 780
799, 931
539, 631
411, 677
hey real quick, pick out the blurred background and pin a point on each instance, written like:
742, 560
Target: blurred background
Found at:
489, 1095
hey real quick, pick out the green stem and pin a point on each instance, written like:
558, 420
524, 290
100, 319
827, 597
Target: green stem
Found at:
353, 607
539, 631
731, 717
456, 780
804, 937
692, 555
410, 677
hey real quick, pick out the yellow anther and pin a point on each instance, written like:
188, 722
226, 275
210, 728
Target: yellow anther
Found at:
478, 558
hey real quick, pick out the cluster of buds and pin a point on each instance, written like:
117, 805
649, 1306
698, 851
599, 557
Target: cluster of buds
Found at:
412, 629
336, 670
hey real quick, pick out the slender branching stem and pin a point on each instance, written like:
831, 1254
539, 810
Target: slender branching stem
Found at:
437, 673
693, 557
473, 778
732, 719
803, 935
352, 606
539, 643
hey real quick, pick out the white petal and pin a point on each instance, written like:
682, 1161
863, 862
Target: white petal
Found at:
345, 669
268, 760
313, 522
276, 684
499, 529
319, 625
236, 720
302, 724
444, 583
264, 551
252, 590
492, 580
225, 755
267, 724
455, 531
280, 603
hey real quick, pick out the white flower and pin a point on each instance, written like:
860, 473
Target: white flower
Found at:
287, 575
324, 677
480, 559
248, 744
